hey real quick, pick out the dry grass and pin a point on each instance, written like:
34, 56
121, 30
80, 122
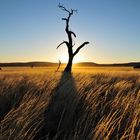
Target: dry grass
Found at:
41, 104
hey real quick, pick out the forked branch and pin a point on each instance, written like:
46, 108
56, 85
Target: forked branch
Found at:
64, 9
68, 31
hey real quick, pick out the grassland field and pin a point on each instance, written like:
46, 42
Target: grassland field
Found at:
91, 103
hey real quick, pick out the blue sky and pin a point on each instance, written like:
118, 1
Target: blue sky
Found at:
30, 30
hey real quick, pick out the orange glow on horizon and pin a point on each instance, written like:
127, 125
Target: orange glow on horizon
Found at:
64, 58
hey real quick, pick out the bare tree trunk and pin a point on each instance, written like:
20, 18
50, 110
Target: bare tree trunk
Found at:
69, 65
70, 43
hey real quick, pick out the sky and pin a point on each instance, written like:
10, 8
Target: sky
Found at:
30, 30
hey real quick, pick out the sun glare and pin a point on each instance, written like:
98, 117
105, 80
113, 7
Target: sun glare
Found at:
64, 58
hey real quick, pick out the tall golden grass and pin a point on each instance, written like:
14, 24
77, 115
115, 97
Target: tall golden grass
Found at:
79, 106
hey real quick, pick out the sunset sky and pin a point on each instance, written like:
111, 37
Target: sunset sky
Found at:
30, 30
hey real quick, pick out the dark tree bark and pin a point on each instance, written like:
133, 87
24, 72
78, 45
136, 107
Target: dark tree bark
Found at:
70, 43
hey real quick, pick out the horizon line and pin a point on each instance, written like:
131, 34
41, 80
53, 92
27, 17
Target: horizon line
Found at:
66, 63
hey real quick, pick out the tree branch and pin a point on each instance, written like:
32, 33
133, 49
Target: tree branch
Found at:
73, 33
80, 47
63, 8
64, 19
70, 13
62, 44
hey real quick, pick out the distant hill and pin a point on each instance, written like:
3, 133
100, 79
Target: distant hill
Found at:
137, 66
45, 64
28, 64
132, 64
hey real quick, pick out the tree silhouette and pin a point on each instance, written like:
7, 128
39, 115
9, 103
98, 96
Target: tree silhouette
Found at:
58, 65
70, 43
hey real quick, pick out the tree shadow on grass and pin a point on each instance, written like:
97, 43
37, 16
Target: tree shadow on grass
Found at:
63, 111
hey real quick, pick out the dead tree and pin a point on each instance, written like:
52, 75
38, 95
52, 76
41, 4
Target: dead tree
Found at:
70, 43
58, 65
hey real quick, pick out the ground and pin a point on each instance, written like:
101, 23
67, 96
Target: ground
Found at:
89, 103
